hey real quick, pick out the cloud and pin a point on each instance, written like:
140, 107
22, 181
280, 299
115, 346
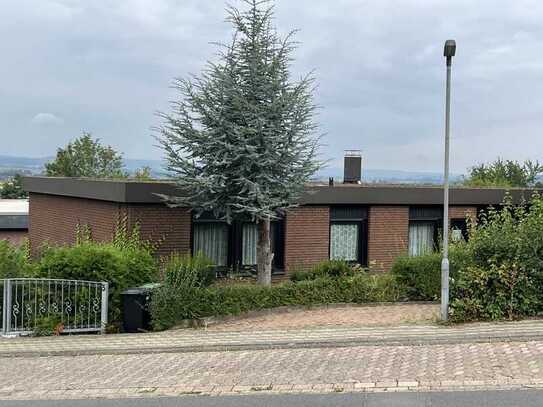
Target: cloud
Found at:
378, 64
47, 119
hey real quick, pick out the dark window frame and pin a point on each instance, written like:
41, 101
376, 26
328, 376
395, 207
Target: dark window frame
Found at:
235, 244
460, 223
426, 214
339, 215
195, 221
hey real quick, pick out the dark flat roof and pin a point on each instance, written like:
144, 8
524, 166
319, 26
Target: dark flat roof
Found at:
127, 191
13, 222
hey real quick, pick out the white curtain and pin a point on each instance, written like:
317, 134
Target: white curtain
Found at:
421, 238
344, 242
249, 237
212, 240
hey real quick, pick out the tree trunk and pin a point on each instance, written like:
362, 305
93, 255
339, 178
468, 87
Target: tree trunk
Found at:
264, 256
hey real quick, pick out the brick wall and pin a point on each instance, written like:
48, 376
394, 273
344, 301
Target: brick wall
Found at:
460, 212
54, 219
388, 235
169, 227
307, 231
15, 237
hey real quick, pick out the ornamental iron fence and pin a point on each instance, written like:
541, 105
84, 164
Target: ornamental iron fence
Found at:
72, 306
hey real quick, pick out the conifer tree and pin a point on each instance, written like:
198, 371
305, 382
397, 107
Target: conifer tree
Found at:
241, 141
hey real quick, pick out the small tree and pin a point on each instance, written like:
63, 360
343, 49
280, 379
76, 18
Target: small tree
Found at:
13, 188
241, 139
85, 157
504, 173
143, 173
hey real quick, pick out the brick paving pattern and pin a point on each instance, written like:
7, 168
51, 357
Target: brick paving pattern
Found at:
361, 368
409, 357
338, 316
191, 340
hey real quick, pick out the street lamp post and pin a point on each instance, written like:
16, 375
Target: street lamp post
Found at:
448, 52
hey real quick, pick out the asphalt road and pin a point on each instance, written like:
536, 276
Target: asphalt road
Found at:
524, 398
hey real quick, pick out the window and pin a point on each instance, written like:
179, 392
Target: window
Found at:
211, 238
459, 230
348, 234
421, 237
248, 245
423, 229
233, 246
344, 241
249, 236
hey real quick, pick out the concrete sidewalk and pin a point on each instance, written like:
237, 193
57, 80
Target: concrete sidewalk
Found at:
180, 341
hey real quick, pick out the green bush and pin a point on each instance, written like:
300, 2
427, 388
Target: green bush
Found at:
327, 268
421, 275
494, 292
501, 273
48, 325
120, 266
186, 271
170, 305
14, 260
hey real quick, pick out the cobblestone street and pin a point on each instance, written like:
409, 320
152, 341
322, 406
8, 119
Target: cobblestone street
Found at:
360, 368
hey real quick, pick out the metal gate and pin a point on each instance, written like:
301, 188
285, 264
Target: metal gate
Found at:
76, 306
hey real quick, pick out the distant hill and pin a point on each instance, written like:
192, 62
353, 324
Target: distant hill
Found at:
390, 176
10, 165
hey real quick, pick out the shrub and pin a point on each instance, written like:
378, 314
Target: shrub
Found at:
120, 266
14, 260
186, 271
327, 268
501, 272
171, 305
48, 325
494, 292
421, 275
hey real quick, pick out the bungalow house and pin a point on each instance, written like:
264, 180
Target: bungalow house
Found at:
369, 224
13, 220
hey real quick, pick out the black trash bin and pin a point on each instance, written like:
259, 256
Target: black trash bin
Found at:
136, 315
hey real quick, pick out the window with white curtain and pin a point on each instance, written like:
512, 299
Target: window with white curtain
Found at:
211, 238
344, 241
421, 238
248, 249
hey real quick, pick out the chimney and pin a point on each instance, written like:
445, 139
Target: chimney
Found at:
352, 170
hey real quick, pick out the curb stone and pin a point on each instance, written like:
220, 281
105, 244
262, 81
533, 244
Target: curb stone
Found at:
210, 391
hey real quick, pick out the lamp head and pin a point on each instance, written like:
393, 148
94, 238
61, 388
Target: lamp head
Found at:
450, 48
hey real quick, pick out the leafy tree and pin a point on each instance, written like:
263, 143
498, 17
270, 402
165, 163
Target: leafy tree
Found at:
505, 173
85, 157
241, 140
13, 188
143, 173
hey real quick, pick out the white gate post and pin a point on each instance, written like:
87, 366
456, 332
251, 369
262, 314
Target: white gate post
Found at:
6, 307
105, 295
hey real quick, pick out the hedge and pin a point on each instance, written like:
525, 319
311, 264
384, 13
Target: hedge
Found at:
172, 305
421, 275
121, 267
327, 268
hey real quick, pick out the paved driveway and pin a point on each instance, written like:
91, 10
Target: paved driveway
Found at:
336, 316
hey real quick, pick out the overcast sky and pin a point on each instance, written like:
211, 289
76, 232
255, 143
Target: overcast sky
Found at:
105, 66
